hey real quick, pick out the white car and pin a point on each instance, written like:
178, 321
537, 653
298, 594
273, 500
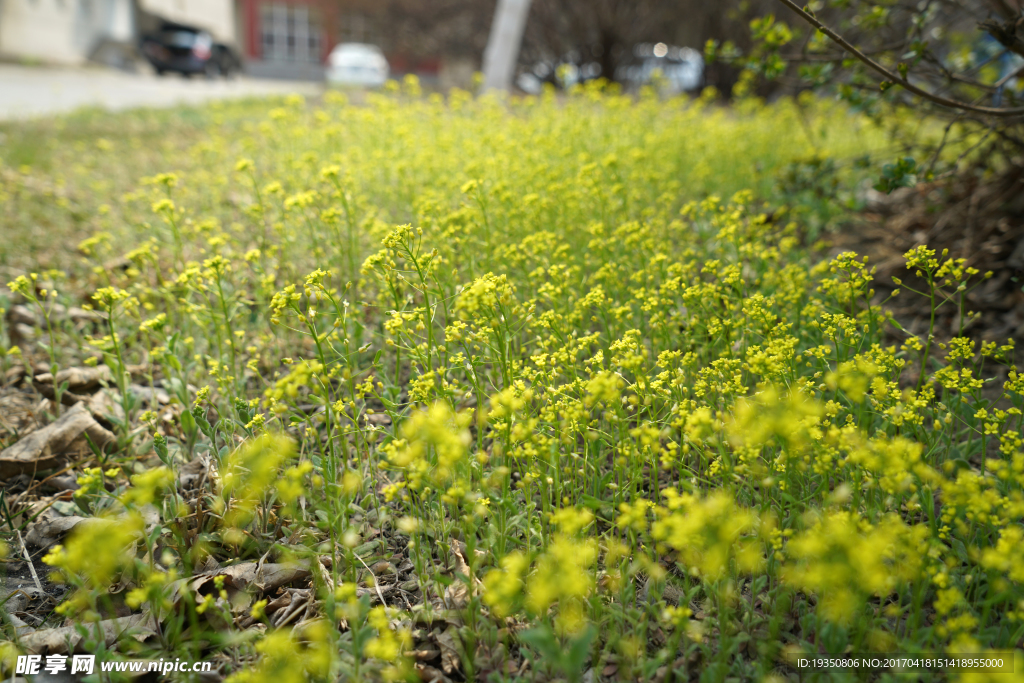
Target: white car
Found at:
357, 64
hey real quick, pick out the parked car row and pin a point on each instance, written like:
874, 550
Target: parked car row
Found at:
673, 69
187, 50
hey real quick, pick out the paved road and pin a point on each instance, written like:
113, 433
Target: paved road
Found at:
27, 91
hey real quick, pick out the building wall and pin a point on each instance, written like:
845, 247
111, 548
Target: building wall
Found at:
62, 31
215, 16
286, 38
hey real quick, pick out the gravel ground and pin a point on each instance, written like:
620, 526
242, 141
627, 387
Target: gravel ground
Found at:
29, 91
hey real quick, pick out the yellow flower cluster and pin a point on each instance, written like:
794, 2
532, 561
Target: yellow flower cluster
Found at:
549, 357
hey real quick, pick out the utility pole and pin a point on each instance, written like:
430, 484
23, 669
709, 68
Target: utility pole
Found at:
503, 44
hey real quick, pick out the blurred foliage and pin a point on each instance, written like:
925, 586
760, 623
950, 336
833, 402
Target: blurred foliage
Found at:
963, 58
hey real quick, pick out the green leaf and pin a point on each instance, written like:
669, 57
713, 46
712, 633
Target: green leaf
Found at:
543, 640
160, 446
188, 423
204, 425
902, 173
579, 649
960, 549
367, 548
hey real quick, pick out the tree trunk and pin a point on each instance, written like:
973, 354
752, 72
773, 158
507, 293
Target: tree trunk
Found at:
503, 45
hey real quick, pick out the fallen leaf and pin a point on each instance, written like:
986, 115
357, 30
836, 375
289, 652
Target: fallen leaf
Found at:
21, 629
423, 655
378, 594
54, 444
323, 575
300, 603
59, 641
80, 380
23, 315
150, 396
61, 482
449, 649
277, 603
193, 473
210, 564
242, 577
430, 674
21, 334
49, 532
456, 596
106, 405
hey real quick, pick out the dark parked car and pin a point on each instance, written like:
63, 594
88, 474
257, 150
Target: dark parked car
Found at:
188, 50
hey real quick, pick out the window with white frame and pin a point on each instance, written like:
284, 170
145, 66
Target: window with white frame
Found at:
289, 33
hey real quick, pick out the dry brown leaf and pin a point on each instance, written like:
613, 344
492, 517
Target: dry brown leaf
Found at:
58, 641
21, 629
193, 473
248, 575
80, 380
23, 315
21, 334
302, 600
378, 594
105, 404
17, 413
436, 617
447, 641
210, 564
80, 316
18, 602
456, 596
323, 575
424, 654
277, 603
20, 314
430, 674
154, 397
48, 531
54, 444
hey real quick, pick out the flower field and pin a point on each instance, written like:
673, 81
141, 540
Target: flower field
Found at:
425, 388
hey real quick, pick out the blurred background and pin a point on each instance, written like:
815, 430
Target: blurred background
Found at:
443, 42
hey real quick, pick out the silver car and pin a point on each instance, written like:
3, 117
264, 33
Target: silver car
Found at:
357, 64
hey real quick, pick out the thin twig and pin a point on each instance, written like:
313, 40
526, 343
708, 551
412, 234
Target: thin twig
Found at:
374, 577
894, 77
28, 559
294, 613
1009, 77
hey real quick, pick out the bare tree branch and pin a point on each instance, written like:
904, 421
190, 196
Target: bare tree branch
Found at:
1006, 8
894, 77
1006, 33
